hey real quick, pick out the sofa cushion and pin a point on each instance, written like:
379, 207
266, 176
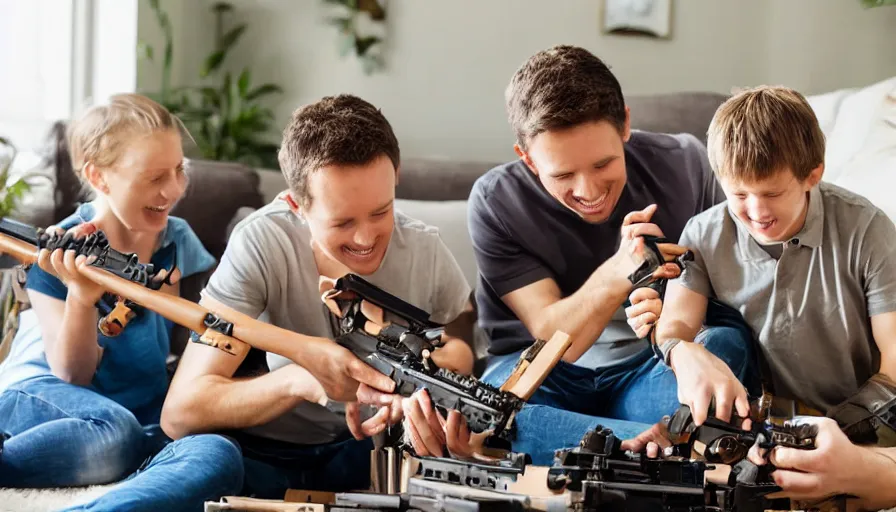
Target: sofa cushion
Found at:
684, 112
860, 131
436, 179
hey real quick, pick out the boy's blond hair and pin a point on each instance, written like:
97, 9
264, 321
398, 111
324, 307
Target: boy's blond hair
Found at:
761, 131
100, 133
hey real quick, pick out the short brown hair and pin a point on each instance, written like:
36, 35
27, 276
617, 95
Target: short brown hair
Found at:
99, 133
337, 130
559, 88
760, 131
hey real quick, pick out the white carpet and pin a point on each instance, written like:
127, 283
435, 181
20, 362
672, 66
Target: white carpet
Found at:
47, 500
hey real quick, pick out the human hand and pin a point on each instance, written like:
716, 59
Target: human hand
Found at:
340, 372
632, 249
429, 431
703, 377
644, 311
653, 441
389, 412
66, 265
835, 466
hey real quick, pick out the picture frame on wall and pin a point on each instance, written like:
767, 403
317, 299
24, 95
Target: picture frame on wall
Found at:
651, 18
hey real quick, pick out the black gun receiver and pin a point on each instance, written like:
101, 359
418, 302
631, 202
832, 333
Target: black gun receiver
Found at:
403, 354
603, 477
727, 443
123, 265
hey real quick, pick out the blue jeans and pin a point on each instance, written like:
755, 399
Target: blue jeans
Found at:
60, 435
180, 478
627, 397
195, 469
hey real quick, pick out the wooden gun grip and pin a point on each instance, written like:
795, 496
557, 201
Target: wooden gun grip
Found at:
525, 380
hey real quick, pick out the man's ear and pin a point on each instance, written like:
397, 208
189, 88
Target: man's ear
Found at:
397, 174
627, 129
95, 177
525, 158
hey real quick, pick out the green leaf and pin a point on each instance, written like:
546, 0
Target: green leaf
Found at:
263, 90
245, 76
231, 37
362, 44
211, 96
877, 3
212, 63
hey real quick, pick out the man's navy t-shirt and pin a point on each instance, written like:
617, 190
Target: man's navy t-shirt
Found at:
521, 234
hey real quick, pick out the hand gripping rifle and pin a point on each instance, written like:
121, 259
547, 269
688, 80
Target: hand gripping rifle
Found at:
123, 275
403, 353
727, 443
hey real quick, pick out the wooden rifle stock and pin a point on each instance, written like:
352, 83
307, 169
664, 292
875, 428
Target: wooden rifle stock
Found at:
241, 330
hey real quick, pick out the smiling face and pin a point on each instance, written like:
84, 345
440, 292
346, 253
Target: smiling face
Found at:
350, 213
582, 167
773, 209
145, 181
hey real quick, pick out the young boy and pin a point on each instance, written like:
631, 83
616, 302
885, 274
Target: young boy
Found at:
808, 264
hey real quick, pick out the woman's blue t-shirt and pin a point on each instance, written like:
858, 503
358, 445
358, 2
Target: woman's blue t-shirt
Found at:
132, 371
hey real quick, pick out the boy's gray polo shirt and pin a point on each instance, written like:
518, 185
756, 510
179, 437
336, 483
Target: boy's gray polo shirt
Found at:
268, 272
810, 309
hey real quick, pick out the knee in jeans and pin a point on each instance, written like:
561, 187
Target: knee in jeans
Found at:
118, 449
221, 456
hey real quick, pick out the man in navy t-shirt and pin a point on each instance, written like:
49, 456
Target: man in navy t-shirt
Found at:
557, 233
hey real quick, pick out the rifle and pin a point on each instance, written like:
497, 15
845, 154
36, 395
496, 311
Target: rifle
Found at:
122, 275
403, 353
728, 443
483, 406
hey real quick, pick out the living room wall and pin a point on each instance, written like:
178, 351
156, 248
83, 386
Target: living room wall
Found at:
448, 62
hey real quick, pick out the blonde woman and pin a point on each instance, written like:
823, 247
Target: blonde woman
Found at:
75, 405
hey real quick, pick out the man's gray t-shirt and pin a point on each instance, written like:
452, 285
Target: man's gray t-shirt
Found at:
810, 305
521, 234
268, 272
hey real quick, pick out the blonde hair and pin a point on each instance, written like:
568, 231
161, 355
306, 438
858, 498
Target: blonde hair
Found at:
764, 130
99, 134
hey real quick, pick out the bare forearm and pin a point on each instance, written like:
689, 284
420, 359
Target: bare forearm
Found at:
74, 355
455, 355
585, 314
213, 402
878, 472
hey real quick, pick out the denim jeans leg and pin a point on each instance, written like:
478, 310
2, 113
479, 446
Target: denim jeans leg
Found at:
644, 390
65, 435
541, 430
181, 478
568, 387
649, 392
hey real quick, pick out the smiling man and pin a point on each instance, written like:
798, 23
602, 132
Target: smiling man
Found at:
340, 159
557, 233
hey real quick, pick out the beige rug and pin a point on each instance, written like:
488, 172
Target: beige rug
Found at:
47, 500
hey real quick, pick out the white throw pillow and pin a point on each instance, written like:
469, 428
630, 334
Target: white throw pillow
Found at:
450, 217
860, 128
